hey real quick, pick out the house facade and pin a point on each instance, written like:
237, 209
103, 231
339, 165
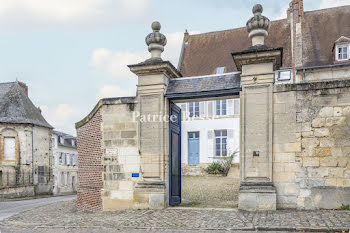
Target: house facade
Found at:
25, 145
65, 166
292, 79
209, 132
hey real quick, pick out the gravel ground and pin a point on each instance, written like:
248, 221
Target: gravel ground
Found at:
63, 217
217, 192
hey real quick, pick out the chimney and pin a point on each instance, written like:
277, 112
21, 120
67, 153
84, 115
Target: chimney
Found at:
24, 86
296, 19
258, 26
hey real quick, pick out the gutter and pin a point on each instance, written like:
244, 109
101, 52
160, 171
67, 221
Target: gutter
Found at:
323, 67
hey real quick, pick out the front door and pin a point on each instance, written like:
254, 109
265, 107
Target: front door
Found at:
175, 155
193, 148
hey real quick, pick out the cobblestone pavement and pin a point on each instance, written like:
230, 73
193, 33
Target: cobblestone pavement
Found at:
63, 217
9, 208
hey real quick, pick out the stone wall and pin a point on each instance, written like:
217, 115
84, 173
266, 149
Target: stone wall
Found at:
311, 145
121, 159
89, 136
18, 191
32, 145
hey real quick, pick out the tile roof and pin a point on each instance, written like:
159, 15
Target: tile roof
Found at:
67, 139
16, 107
204, 86
320, 30
203, 53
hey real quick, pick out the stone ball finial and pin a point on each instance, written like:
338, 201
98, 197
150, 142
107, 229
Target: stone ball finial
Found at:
156, 40
258, 26
257, 9
156, 26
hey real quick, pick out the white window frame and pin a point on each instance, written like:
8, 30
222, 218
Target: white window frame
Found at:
222, 146
338, 46
220, 111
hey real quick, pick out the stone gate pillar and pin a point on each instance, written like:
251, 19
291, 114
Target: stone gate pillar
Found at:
152, 113
257, 65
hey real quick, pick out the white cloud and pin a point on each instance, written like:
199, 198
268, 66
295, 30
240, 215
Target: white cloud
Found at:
77, 14
115, 63
113, 91
62, 117
333, 3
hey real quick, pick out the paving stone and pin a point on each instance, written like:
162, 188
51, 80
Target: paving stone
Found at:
63, 215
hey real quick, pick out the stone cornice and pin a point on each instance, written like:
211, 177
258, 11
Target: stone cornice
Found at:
155, 66
258, 55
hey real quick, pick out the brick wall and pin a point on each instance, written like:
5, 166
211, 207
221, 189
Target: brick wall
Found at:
90, 168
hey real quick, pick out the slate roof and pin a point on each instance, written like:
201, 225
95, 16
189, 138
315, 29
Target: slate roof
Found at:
203, 53
204, 86
16, 107
67, 142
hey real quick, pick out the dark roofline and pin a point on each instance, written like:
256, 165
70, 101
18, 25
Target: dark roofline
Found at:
226, 30
272, 21
204, 94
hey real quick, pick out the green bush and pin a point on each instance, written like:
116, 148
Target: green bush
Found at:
345, 207
221, 167
215, 168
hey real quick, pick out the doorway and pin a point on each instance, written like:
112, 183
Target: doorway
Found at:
193, 148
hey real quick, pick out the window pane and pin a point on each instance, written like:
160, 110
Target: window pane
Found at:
217, 140
223, 103
196, 134
217, 133
217, 153
196, 109
10, 149
191, 109
224, 132
224, 140
218, 108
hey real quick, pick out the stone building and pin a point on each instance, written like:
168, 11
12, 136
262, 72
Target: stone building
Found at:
294, 89
25, 150
65, 165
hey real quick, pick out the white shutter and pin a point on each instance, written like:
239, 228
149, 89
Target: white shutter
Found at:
210, 108
230, 107
201, 109
10, 149
63, 159
236, 107
211, 145
183, 110
230, 133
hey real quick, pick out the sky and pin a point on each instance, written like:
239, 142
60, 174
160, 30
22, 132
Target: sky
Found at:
71, 53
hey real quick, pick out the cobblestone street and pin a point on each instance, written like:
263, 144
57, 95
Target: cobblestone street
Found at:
63, 217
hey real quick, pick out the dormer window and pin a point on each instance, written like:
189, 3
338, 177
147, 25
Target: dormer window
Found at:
342, 52
61, 140
342, 49
220, 70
